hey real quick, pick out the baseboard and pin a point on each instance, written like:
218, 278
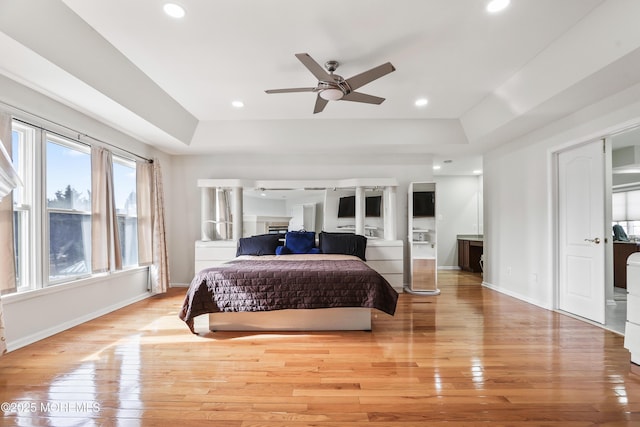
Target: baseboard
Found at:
178, 285
515, 295
448, 267
46, 333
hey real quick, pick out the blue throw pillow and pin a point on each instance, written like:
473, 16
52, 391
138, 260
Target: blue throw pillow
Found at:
282, 250
300, 242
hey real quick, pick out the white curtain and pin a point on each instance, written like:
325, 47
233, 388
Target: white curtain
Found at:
8, 181
619, 206
152, 245
633, 205
9, 178
144, 201
105, 241
3, 342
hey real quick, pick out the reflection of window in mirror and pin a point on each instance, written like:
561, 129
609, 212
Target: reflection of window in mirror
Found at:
625, 182
217, 213
625, 214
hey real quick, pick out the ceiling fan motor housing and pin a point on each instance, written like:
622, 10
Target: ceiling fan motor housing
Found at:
331, 66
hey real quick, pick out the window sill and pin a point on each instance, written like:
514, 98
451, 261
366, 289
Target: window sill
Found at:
51, 289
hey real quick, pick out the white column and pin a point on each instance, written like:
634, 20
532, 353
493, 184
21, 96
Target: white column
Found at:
237, 213
390, 208
360, 210
207, 210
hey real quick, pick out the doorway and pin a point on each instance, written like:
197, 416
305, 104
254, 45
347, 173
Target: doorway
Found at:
622, 175
625, 201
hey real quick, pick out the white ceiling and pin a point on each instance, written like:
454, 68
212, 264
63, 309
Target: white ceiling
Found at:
170, 83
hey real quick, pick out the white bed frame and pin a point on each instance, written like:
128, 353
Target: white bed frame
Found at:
320, 319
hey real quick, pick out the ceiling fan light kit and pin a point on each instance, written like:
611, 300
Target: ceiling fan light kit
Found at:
331, 94
332, 87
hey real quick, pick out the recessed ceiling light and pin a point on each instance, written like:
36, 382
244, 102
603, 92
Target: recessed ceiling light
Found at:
477, 172
436, 167
421, 102
496, 6
238, 104
174, 10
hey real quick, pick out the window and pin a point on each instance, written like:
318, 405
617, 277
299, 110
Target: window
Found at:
25, 243
124, 183
68, 196
626, 211
52, 211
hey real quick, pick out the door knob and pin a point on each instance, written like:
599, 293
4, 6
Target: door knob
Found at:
596, 240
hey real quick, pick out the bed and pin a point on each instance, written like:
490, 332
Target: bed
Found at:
290, 292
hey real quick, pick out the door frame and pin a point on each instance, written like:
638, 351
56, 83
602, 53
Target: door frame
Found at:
554, 214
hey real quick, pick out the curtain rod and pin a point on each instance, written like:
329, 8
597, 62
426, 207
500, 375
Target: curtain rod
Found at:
80, 134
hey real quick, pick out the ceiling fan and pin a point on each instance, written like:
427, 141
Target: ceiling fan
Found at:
332, 87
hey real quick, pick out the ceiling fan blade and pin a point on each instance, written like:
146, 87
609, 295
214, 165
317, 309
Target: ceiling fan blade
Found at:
362, 97
293, 89
362, 79
315, 68
320, 104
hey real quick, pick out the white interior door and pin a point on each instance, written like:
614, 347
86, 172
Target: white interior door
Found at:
581, 231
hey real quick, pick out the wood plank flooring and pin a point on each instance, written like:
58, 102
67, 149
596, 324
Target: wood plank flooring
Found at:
468, 357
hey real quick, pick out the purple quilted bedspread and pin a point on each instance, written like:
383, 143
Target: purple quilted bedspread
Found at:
254, 285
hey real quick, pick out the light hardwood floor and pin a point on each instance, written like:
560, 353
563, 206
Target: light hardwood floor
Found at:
468, 357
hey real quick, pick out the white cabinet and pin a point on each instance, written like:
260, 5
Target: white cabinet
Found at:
632, 327
422, 238
213, 253
386, 257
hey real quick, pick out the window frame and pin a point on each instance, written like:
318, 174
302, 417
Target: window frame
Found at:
117, 159
46, 211
32, 205
27, 207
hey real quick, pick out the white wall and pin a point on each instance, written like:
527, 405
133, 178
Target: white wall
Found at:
188, 169
35, 315
459, 211
264, 207
32, 316
518, 226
